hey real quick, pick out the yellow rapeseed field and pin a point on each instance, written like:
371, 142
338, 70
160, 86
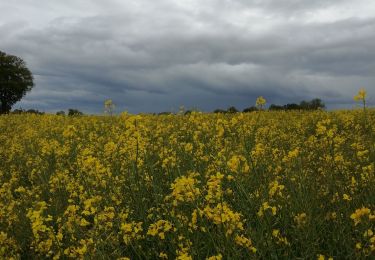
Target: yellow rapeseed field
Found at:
261, 185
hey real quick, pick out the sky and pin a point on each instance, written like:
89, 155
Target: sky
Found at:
158, 55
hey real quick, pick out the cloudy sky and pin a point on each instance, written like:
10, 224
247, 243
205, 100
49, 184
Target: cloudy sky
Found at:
156, 55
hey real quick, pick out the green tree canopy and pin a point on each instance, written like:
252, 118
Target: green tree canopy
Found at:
15, 80
74, 112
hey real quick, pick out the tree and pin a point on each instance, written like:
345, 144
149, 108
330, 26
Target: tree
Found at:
292, 106
219, 111
305, 105
274, 107
232, 110
250, 109
74, 112
317, 103
164, 113
18, 111
34, 111
60, 113
314, 104
15, 81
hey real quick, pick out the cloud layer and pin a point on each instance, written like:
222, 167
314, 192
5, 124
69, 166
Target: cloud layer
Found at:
152, 56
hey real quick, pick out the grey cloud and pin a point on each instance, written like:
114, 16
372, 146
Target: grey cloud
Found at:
290, 7
152, 56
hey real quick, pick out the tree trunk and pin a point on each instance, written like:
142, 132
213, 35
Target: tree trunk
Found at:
4, 108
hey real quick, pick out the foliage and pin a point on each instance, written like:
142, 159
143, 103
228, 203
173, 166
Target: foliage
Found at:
219, 111
292, 106
274, 107
258, 185
164, 113
314, 104
60, 113
29, 111
250, 109
232, 110
74, 112
15, 81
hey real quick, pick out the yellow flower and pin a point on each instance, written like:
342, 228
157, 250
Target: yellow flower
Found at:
222, 214
215, 257
245, 242
238, 162
260, 102
368, 233
361, 96
84, 222
184, 189
159, 228
279, 238
264, 207
359, 213
275, 188
131, 231
322, 257
234, 163
300, 219
214, 190
346, 197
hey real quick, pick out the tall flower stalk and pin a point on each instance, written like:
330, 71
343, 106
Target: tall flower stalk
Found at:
361, 97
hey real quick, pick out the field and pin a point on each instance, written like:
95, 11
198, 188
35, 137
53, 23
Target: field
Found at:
261, 185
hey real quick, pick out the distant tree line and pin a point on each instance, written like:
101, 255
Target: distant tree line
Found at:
29, 111
71, 112
314, 104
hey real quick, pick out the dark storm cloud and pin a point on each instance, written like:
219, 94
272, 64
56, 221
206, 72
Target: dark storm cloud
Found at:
150, 56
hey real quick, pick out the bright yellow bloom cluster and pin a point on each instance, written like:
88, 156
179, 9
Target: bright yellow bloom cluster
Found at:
362, 93
184, 189
322, 257
275, 189
214, 187
279, 238
260, 102
238, 163
370, 236
160, 228
245, 242
360, 213
42, 232
215, 257
265, 206
223, 215
132, 231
